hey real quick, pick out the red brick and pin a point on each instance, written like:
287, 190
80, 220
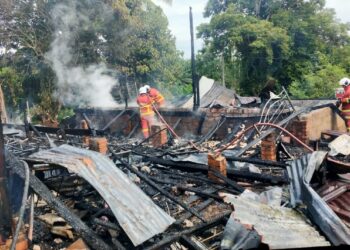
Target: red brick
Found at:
217, 163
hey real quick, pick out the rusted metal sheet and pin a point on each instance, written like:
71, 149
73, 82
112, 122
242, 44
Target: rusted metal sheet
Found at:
280, 227
136, 213
338, 166
337, 195
301, 172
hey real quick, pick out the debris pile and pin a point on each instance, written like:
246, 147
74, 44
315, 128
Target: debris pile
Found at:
92, 189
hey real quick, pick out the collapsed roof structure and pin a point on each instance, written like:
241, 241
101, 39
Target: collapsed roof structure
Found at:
235, 174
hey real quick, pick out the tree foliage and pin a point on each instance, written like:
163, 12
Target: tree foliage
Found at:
292, 41
129, 36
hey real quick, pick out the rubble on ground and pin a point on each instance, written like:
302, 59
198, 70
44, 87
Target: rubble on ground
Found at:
252, 188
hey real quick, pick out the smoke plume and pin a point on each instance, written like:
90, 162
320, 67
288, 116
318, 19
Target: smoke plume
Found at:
77, 85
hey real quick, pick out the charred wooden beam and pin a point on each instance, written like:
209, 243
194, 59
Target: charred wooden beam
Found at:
35, 130
199, 192
67, 131
120, 129
158, 188
228, 181
106, 224
90, 126
89, 236
199, 208
195, 167
197, 180
136, 127
213, 129
150, 137
257, 161
196, 229
264, 178
113, 120
5, 207
201, 122
189, 243
232, 173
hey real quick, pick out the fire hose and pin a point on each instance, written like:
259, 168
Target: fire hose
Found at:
220, 150
171, 129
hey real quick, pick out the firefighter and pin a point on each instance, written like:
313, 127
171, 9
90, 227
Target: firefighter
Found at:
147, 115
345, 101
156, 96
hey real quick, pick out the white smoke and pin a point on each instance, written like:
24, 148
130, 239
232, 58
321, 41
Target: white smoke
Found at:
77, 85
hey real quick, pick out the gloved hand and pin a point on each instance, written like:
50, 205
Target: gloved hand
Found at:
345, 100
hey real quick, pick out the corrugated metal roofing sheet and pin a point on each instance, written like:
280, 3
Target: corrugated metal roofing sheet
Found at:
280, 227
211, 93
300, 173
136, 213
218, 94
337, 195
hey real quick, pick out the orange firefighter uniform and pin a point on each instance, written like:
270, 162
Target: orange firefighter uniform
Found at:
146, 113
156, 96
345, 106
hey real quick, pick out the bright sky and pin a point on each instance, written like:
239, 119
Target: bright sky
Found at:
178, 16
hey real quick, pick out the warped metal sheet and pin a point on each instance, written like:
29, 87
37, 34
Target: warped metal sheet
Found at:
280, 227
136, 213
337, 195
300, 172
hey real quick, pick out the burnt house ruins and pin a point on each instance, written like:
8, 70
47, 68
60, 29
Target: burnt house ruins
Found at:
234, 174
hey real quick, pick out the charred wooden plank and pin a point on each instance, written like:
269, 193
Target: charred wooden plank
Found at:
5, 206
199, 208
39, 188
199, 192
257, 161
232, 173
158, 188
195, 167
113, 120
196, 229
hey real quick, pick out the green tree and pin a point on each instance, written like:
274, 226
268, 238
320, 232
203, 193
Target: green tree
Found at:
290, 41
256, 46
129, 36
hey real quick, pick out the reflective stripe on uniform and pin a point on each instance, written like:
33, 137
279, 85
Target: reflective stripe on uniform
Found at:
148, 113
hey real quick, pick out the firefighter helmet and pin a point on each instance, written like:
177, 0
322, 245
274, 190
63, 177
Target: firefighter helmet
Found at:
142, 90
147, 87
344, 81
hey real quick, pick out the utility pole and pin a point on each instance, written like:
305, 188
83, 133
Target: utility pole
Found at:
5, 208
223, 69
195, 80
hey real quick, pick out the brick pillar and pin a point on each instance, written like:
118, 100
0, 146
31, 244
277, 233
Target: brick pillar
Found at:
299, 129
84, 125
98, 144
217, 163
268, 148
161, 138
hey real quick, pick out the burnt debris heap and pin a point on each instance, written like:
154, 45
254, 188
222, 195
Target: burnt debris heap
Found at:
238, 175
